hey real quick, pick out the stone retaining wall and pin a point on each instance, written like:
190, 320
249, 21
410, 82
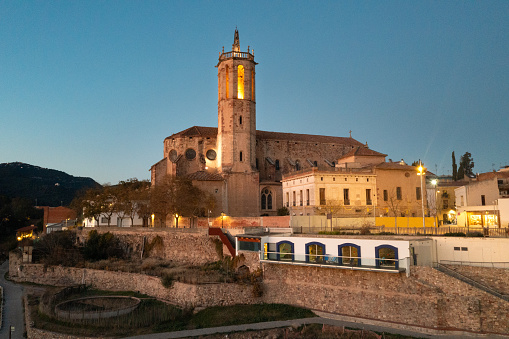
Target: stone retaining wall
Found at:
184, 295
186, 246
496, 278
428, 298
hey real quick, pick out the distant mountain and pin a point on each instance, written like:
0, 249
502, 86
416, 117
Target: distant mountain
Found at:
46, 186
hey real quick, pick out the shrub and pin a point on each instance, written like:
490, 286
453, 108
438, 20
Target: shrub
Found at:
475, 234
283, 211
102, 246
167, 280
455, 234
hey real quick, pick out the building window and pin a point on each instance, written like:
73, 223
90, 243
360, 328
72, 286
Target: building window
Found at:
284, 250
368, 197
240, 82
301, 197
398, 193
322, 196
240, 157
418, 193
483, 200
240, 120
297, 165
445, 204
256, 160
307, 197
386, 256
321, 178
293, 198
277, 165
315, 163
386, 195
315, 252
349, 254
346, 196
287, 199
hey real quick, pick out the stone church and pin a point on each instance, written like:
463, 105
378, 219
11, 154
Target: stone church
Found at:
239, 165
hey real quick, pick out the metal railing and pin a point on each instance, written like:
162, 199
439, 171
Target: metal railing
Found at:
348, 262
493, 264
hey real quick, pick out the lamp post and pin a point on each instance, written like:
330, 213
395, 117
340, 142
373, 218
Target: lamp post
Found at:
421, 173
434, 182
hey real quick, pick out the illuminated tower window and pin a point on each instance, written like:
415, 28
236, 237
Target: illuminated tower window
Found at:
227, 82
240, 82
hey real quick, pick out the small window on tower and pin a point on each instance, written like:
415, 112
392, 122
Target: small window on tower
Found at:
240, 120
240, 156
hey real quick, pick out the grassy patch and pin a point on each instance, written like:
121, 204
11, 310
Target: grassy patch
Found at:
246, 314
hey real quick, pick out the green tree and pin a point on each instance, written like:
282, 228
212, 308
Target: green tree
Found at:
132, 197
466, 165
454, 168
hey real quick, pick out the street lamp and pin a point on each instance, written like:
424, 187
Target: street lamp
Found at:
421, 173
434, 182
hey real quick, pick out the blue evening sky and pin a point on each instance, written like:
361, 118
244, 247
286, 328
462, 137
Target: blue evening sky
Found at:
92, 88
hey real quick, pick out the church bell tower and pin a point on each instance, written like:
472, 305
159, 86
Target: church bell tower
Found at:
236, 105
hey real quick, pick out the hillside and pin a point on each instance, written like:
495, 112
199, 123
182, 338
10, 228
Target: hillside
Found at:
46, 186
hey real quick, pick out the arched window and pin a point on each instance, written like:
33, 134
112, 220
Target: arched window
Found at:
240, 82
252, 86
386, 256
297, 165
266, 199
226, 69
315, 163
315, 251
349, 254
285, 250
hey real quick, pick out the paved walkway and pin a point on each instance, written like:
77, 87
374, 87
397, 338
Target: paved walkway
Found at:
13, 314
324, 318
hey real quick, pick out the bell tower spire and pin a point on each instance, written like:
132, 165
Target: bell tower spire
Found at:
236, 110
236, 43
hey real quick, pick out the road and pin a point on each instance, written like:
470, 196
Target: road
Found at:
13, 306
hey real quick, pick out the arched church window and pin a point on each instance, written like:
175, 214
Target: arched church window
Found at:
173, 155
240, 82
227, 75
190, 154
266, 199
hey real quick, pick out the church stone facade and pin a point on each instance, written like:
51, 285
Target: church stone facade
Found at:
239, 165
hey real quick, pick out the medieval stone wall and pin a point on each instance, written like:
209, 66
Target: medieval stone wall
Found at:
496, 278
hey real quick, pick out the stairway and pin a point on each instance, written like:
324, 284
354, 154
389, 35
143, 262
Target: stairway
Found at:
471, 282
224, 238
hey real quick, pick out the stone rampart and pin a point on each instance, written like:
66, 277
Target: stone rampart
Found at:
496, 278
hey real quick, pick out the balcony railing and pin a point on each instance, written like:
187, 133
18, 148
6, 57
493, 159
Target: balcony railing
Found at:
240, 55
342, 262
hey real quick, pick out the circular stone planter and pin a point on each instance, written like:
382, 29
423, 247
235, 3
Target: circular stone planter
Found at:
96, 307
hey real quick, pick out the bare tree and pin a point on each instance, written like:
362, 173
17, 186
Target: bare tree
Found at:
175, 196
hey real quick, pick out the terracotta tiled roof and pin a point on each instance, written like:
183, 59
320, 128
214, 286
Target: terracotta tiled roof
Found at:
396, 166
205, 176
362, 151
196, 131
307, 138
200, 131
491, 175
